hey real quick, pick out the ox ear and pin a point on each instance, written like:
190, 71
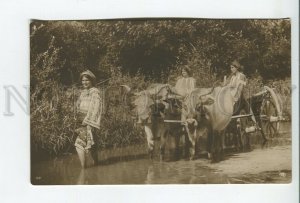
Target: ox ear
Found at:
207, 100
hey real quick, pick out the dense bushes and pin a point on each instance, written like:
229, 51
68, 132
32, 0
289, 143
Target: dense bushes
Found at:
156, 46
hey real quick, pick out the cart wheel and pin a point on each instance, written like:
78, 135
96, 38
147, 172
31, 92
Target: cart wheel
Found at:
269, 118
243, 137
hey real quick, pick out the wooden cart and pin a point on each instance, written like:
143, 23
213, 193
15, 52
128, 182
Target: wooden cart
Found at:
267, 110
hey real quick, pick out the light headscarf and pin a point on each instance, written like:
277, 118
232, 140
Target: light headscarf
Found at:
90, 74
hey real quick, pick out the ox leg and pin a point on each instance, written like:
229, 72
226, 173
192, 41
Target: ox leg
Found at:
150, 140
222, 139
186, 145
192, 152
177, 151
163, 134
222, 144
216, 151
218, 147
209, 144
192, 140
213, 151
173, 138
163, 140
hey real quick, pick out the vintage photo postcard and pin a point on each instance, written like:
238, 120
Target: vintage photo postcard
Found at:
160, 101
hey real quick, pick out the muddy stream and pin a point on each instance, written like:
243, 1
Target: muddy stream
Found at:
270, 163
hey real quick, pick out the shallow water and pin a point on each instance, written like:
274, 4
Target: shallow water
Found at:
67, 170
137, 169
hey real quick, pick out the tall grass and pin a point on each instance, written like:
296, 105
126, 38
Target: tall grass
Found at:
52, 123
53, 119
282, 88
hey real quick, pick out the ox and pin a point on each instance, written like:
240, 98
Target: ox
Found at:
208, 110
152, 107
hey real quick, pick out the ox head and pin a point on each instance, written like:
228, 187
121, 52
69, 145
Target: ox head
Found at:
191, 125
196, 117
204, 100
150, 102
194, 105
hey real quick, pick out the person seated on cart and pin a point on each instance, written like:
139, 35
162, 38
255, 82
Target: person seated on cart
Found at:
163, 93
186, 83
237, 82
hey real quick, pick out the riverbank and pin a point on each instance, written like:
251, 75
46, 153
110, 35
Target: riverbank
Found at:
267, 165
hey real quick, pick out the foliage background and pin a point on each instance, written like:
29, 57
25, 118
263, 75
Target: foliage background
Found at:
139, 52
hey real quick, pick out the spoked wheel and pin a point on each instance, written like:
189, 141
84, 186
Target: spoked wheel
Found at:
269, 116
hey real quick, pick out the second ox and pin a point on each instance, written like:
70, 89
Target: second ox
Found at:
208, 110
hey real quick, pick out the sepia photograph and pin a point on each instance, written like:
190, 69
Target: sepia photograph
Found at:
160, 101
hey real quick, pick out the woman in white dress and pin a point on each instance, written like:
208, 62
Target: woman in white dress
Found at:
184, 86
186, 83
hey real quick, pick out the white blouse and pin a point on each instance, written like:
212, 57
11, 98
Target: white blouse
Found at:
185, 86
237, 83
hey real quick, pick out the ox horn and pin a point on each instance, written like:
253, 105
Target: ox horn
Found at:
195, 122
126, 87
205, 94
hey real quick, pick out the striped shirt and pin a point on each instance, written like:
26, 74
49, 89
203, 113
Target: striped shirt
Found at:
90, 104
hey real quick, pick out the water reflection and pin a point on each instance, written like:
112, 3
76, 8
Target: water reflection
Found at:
67, 170
150, 175
81, 177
